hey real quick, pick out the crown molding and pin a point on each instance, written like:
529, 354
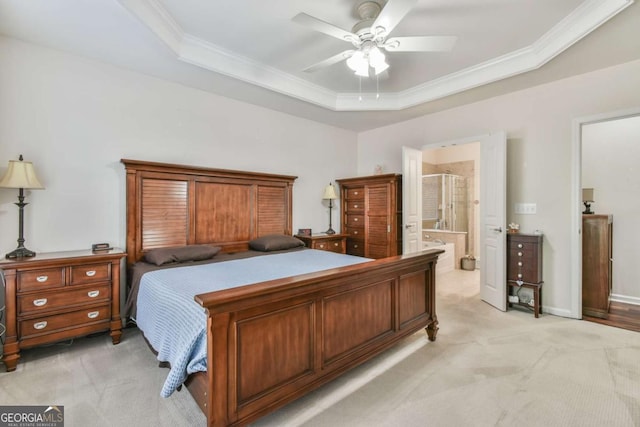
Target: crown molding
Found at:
189, 49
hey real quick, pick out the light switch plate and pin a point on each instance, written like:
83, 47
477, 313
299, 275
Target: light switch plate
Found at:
525, 208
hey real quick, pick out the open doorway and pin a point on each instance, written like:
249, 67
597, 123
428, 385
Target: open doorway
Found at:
490, 234
450, 204
608, 150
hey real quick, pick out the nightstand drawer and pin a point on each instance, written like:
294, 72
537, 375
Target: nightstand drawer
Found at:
90, 273
40, 279
50, 324
43, 301
331, 245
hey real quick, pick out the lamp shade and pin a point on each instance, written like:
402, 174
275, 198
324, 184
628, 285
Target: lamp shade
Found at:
587, 194
330, 192
20, 174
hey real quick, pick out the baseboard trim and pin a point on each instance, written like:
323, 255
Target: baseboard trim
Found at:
625, 299
562, 312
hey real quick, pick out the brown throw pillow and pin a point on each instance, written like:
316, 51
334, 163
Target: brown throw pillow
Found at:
275, 242
179, 254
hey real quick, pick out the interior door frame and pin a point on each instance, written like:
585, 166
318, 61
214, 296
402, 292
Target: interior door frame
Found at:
482, 139
576, 200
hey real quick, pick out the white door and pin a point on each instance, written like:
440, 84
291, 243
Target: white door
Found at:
411, 200
493, 194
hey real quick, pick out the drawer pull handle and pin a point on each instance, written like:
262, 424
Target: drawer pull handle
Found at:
39, 302
355, 232
93, 294
40, 325
519, 263
519, 275
520, 245
42, 279
335, 244
355, 246
519, 253
355, 206
355, 192
355, 219
90, 273
321, 245
93, 314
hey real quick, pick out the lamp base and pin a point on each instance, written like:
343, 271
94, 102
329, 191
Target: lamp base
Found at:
20, 252
587, 209
330, 231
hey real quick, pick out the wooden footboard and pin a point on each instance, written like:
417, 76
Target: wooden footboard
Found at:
272, 342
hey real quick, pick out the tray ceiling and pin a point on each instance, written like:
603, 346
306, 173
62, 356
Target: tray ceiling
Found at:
252, 50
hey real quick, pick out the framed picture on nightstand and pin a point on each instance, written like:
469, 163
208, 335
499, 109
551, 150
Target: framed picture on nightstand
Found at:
304, 231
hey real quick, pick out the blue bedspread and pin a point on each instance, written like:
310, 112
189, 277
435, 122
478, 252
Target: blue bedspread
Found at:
175, 325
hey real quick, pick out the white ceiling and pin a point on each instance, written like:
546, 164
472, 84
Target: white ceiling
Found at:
252, 51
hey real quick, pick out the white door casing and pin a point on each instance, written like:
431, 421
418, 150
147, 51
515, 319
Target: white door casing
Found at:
411, 200
493, 194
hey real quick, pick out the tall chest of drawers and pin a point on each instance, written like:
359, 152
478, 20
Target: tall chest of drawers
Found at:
524, 267
59, 296
371, 212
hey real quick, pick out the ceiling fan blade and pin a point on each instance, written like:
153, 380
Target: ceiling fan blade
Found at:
330, 61
324, 27
392, 14
420, 44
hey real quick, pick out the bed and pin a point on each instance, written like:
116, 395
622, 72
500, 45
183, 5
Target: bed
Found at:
270, 342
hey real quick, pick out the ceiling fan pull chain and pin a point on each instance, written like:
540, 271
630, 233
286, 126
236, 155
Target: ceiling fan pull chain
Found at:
359, 89
377, 87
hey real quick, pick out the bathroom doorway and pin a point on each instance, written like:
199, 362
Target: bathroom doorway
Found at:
489, 217
450, 204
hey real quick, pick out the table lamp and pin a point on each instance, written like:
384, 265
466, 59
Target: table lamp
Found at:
21, 175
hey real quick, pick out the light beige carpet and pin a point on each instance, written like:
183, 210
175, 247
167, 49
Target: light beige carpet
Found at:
487, 368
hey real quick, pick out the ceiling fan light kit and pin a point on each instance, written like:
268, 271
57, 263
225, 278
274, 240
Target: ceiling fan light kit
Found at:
369, 37
367, 57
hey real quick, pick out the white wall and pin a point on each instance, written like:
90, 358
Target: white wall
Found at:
610, 155
538, 122
76, 118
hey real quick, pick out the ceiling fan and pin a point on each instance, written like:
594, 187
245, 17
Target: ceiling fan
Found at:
369, 37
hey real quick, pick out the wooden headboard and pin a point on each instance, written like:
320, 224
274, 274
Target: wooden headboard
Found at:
175, 205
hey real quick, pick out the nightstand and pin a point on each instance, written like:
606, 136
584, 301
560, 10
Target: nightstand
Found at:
524, 268
326, 242
59, 296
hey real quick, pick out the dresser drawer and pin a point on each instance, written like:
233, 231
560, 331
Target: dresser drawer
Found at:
43, 301
355, 231
90, 273
355, 193
50, 324
355, 220
40, 279
356, 206
355, 247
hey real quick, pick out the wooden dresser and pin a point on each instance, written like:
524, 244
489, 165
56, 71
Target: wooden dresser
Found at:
58, 296
371, 212
597, 253
326, 242
524, 269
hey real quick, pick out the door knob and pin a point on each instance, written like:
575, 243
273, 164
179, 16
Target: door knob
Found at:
498, 230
